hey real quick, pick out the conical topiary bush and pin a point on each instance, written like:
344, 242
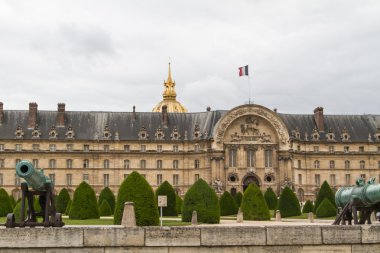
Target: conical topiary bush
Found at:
270, 198
201, 198
107, 194
136, 189
326, 209
165, 189
253, 205
5, 203
227, 204
105, 209
67, 211
179, 203
238, 198
17, 210
13, 202
84, 205
324, 192
288, 204
308, 207
62, 200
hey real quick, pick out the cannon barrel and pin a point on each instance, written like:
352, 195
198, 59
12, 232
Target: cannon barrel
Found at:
366, 195
33, 177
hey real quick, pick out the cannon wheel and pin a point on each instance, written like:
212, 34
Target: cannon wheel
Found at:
10, 220
57, 220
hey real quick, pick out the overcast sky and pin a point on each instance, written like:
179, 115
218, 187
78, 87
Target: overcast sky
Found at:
111, 55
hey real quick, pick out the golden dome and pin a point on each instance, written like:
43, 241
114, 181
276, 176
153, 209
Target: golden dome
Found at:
169, 96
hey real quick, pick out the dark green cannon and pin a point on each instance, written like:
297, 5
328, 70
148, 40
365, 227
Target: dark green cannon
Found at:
363, 198
36, 184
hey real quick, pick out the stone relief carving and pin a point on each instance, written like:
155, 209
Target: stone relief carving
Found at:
218, 185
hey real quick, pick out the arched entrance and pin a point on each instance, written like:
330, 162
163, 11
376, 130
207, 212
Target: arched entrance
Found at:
250, 179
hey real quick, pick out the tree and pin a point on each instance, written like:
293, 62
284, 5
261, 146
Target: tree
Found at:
179, 203
253, 205
270, 198
17, 210
67, 211
5, 203
227, 204
84, 205
62, 200
137, 190
165, 189
308, 207
201, 198
238, 198
324, 192
288, 203
105, 209
107, 194
326, 209
13, 201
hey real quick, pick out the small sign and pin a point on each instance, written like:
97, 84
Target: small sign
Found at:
162, 201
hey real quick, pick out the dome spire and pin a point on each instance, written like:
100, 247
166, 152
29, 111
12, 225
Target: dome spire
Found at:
169, 84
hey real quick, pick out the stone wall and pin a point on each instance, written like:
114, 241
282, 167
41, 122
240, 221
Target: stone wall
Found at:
103, 239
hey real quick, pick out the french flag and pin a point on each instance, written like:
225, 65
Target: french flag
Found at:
243, 71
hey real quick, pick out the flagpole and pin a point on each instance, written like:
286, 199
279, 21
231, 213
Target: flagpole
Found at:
249, 88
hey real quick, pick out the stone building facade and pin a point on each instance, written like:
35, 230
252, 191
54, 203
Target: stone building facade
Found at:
227, 148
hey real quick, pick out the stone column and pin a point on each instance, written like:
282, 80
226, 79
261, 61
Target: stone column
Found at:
129, 218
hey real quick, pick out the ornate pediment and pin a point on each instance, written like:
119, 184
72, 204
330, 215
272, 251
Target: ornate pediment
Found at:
249, 132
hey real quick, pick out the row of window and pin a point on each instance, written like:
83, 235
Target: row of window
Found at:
317, 179
347, 164
86, 148
106, 164
106, 179
251, 158
346, 149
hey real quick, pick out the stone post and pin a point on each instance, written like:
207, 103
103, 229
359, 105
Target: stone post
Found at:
129, 218
310, 216
239, 218
373, 217
278, 215
194, 218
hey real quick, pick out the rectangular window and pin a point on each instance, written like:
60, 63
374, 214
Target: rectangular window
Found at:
159, 164
106, 180
175, 148
106, 164
332, 179
106, 148
1, 179
268, 158
317, 178
331, 149
86, 178
361, 149
159, 179
143, 148
251, 157
18, 147
69, 180
69, 163
142, 164
196, 164
196, 147
378, 149
126, 164
1, 147
196, 177
332, 164
1, 163
86, 164
232, 157
346, 149
298, 148
348, 179
52, 177
36, 147
299, 179
175, 164
86, 148
52, 163
316, 148
52, 148
17, 180
175, 179
299, 164
35, 163
126, 148
69, 147
159, 148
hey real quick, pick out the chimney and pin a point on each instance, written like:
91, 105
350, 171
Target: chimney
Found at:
134, 113
32, 115
1, 113
61, 115
165, 117
208, 108
318, 118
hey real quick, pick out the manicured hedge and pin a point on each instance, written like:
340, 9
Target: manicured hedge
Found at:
326, 209
270, 198
165, 189
227, 204
201, 198
84, 205
5, 203
62, 200
308, 207
324, 192
253, 205
179, 203
107, 194
238, 198
105, 209
136, 189
288, 204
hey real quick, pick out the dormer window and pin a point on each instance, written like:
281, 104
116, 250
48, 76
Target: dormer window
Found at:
345, 136
143, 135
53, 133
19, 134
107, 133
70, 134
315, 135
36, 133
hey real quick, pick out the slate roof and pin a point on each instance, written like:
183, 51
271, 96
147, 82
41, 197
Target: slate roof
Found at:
87, 125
